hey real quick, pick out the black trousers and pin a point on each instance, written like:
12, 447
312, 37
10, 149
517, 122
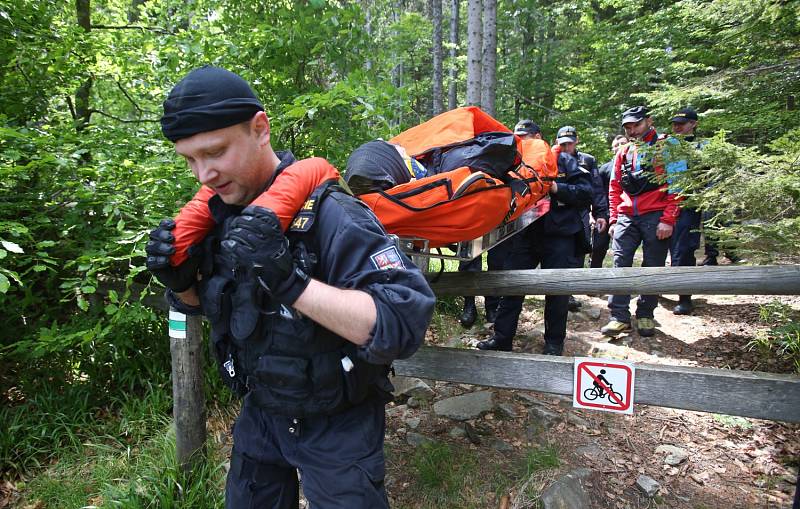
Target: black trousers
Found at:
495, 260
530, 249
600, 244
340, 459
629, 234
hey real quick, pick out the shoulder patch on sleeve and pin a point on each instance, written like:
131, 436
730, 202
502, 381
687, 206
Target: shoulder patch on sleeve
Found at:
387, 258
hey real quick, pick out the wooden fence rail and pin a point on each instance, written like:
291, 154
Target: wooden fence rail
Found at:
713, 280
749, 394
724, 391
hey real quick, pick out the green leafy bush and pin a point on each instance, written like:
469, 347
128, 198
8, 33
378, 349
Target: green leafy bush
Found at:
783, 337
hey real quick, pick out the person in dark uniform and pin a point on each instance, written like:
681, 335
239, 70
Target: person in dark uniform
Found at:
686, 237
495, 257
549, 242
495, 260
595, 216
600, 239
528, 130
304, 324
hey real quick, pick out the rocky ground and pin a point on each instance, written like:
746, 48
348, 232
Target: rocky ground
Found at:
656, 457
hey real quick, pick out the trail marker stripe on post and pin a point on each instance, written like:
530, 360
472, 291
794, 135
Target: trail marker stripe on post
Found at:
595, 379
177, 325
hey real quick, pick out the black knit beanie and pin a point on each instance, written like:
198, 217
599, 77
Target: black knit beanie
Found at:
378, 162
207, 99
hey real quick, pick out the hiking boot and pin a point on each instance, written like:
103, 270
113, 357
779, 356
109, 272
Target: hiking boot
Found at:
614, 327
493, 344
553, 349
684, 307
573, 305
470, 313
709, 260
646, 327
491, 315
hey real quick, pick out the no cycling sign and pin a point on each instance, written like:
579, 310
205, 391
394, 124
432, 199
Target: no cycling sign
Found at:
603, 384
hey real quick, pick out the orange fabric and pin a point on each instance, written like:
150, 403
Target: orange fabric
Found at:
452, 126
285, 197
411, 210
192, 224
537, 153
430, 209
293, 186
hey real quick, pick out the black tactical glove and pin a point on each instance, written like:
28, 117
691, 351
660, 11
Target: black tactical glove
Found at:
255, 242
159, 248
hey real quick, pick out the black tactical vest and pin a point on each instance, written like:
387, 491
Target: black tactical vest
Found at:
267, 352
636, 183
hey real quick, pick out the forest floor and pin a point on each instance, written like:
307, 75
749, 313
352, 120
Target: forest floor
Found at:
730, 462
524, 442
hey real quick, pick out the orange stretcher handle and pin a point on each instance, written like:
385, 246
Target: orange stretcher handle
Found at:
285, 197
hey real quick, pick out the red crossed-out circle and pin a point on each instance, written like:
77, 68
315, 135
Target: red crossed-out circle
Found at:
620, 405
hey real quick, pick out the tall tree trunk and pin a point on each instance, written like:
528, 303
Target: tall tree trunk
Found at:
549, 94
397, 70
436, 14
367, 6
474, 52
452, 98
83, 111
489, 70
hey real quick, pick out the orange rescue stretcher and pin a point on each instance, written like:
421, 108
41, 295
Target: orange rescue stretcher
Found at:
472, 207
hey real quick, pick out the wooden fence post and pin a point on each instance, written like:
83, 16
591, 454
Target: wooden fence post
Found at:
189, 407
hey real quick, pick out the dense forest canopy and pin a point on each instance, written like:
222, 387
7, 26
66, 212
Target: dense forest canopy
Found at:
85, 172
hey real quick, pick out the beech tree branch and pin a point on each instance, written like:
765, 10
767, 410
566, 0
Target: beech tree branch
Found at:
130, 99
550, 110
133, 27
124, 121
71, 108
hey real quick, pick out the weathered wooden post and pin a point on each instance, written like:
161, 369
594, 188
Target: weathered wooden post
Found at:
189, 407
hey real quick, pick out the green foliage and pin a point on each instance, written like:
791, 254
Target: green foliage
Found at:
112, 473
69, 378
783, 337
542, 458
76, 202
582, 64
753, 197
442, 472
52, 421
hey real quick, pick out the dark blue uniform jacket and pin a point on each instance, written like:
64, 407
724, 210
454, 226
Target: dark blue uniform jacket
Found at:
599, 193
354, 252
606, 173
357, 254
574, 194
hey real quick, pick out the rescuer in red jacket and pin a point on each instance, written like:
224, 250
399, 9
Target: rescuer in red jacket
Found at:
642, 210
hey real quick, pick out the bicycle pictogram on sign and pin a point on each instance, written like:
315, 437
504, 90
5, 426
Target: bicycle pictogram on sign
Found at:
603, 385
